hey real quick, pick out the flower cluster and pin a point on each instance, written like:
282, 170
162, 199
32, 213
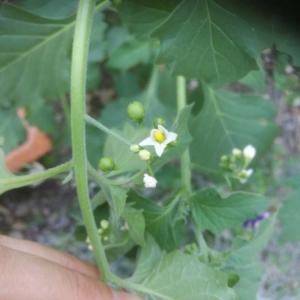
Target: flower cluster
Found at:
235, 165
104, 232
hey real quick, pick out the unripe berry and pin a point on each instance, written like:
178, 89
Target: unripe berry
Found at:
158, 121
106, 164
136, 111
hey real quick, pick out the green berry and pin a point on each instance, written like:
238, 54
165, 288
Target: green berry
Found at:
136, 111
158, 121
106, 164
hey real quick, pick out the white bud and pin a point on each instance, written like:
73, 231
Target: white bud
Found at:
236, 152
144, 154
244, 175
149, 181
249, 152
135, 148
289, 69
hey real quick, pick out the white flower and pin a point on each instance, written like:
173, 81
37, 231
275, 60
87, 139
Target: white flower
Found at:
159, 138
249, 152
144, 155
149, 181
245, 174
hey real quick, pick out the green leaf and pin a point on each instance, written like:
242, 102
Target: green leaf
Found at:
230, 120
159, 220
37, 51
12, 132
211, 40
180, 276
211, 211
136, 224
54, 9
245, 251
289, 218
4, 172
142, 17
242, 259
116, 198
148, 258
255, 79
130, 55
286, 39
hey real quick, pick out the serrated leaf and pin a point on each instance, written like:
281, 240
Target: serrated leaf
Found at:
142, 17
211, 211
12, 132
36, 51
210, 40
180, 276
289, 218
230, 120
136, 224
159, 220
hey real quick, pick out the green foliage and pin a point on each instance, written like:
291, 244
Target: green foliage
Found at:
179, 276
211, 211
160, 221
229, 120
10, 123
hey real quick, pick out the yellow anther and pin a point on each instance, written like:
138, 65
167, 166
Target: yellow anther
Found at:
159, 136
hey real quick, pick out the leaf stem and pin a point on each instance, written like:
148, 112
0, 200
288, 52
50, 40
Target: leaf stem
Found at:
185, 158
100, 126
78, 110
19, 181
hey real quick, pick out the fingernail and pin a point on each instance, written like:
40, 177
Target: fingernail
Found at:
124, 296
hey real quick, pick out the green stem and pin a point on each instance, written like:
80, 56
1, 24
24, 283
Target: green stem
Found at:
97, 124
203, 246
185, 158
19, 181
78, 110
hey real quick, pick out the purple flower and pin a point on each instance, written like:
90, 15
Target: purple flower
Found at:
252, 224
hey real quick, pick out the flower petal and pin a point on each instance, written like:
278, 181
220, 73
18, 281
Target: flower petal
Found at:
149, 141
159, 148
163, 129
171, 137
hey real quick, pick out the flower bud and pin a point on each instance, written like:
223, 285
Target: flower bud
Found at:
135, 148
104, 224
158, 121
144, 155
174, 143
106, 164
249, 152
136, 111
236, 152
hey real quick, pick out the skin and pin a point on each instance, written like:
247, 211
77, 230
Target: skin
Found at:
30, 271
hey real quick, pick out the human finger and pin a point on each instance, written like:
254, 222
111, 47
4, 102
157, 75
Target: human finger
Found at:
64, 259
28, 277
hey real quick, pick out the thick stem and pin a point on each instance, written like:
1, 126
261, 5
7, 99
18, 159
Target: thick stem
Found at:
78, 89
185, 158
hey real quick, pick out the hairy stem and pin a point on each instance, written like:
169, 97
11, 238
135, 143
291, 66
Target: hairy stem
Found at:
78, 109
185, 158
